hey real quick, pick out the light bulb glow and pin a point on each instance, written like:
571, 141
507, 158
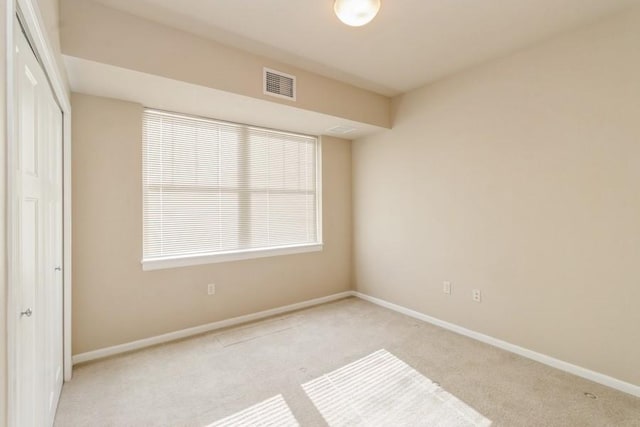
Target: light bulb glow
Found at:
356, 12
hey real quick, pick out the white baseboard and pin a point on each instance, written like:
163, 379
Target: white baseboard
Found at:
530, 354
184, 333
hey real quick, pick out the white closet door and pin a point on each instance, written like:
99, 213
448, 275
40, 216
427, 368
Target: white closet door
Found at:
38, 241
52, 285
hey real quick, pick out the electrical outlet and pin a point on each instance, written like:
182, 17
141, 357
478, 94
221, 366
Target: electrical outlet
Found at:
477, 296
211, 288
446, 288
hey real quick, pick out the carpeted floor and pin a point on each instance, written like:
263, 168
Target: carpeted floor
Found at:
198, 381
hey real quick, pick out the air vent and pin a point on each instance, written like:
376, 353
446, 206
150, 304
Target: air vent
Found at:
341, 130
279, 84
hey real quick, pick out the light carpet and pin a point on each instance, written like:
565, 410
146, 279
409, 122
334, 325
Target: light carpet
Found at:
196, 381
271, 412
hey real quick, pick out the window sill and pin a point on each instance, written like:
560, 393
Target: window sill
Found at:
173, 262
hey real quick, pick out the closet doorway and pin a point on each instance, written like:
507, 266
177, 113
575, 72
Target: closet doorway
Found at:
36, 218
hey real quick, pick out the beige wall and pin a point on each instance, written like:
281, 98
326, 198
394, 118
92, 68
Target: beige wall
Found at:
94, 32
50, 13
520, 178
3, 221
115, 302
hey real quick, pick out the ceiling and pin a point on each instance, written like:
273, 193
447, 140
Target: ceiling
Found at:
410, 42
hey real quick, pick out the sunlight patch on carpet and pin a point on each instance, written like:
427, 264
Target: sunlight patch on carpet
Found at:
382, 390
271, 412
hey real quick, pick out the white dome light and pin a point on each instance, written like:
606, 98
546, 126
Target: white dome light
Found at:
356, 12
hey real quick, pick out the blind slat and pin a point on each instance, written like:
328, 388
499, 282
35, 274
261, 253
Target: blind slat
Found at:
213, 186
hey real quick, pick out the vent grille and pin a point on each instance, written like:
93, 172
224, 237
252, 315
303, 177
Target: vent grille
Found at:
279, 84
341, 129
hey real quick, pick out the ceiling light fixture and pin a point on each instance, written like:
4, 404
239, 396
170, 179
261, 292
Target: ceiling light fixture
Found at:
356, 12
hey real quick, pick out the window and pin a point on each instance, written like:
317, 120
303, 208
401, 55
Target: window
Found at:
216, 191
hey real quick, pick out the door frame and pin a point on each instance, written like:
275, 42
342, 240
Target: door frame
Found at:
34, 25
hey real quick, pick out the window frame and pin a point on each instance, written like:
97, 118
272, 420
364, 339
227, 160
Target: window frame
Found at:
158, 263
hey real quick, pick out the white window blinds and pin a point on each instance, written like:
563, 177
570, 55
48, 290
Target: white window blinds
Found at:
213, 187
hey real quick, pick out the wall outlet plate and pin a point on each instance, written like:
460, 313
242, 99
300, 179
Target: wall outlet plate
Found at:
477, 295
446, 288
211, 289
